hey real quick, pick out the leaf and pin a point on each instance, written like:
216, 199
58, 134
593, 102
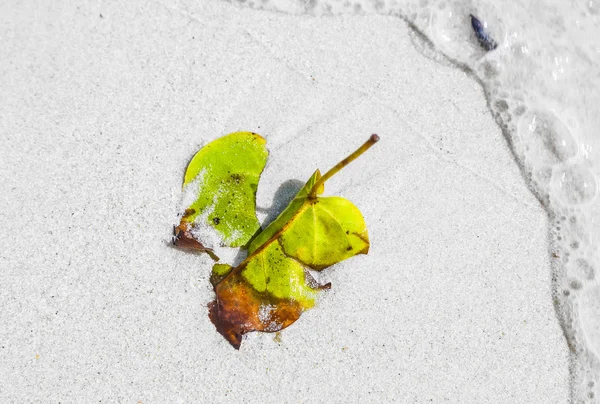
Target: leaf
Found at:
219, 193
271, 288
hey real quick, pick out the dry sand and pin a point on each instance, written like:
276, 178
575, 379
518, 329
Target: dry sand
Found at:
102, 106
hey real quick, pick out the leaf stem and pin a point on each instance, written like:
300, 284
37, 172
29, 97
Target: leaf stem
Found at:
372, 140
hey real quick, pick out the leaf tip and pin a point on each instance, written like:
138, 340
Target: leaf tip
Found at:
226, 330
182, 238
259, 138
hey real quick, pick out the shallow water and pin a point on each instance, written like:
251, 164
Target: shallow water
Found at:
542, 85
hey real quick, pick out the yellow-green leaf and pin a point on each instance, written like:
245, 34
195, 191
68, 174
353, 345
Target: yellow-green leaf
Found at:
219, 187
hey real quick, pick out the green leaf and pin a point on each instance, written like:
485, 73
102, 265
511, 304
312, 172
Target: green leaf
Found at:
317, 231
219, 189
271, 288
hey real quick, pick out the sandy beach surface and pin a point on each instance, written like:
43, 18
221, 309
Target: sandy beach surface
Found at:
103, 105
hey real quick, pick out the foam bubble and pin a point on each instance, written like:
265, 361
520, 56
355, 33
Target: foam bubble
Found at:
546, 139
582, 269
574, 184
451, 31
589, 309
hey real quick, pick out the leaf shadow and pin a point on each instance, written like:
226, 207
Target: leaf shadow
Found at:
283, 196
238, 259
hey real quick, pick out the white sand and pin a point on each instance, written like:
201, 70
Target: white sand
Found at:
98, 118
